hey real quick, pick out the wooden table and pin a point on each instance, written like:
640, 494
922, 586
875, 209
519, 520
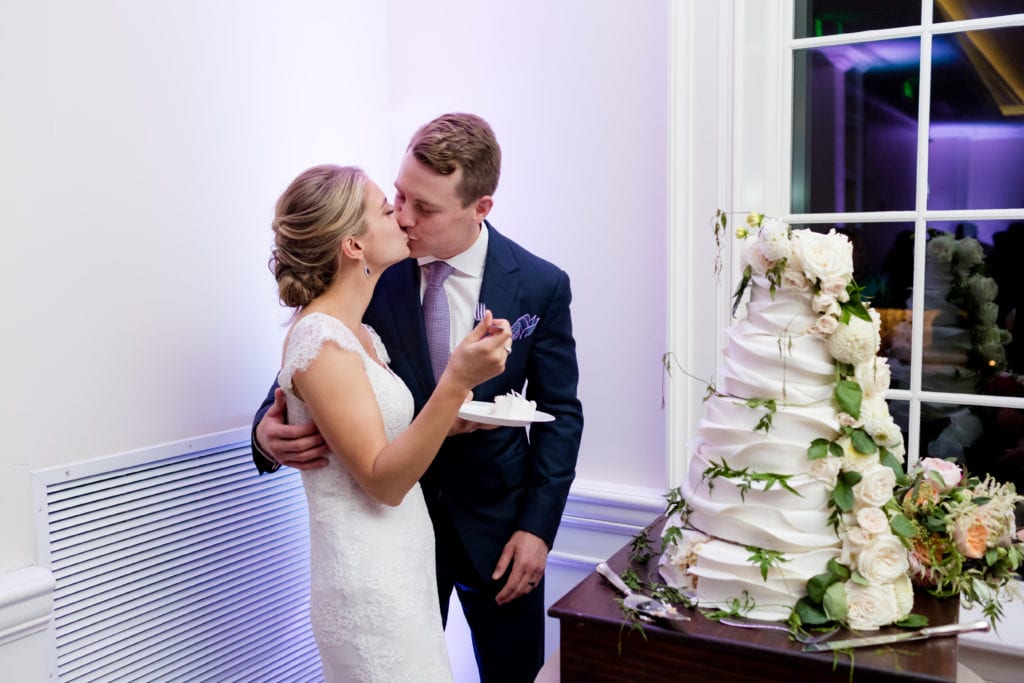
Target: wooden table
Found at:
596, 647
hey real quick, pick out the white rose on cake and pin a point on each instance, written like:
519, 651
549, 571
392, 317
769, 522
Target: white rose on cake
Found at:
873, 521
883, 559
875, 487
825, 258
826, 470
870, 607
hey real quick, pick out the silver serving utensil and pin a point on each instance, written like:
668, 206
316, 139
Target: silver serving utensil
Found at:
920, 634
641, 603
799, 636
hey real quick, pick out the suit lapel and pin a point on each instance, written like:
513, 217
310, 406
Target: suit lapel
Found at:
410, 333
500, 283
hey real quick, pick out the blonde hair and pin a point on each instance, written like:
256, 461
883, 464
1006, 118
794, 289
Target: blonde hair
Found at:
321, 207
465, 141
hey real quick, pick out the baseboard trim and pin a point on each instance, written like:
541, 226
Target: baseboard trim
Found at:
26, 603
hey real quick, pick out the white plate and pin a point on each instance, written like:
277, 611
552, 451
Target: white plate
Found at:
480, 411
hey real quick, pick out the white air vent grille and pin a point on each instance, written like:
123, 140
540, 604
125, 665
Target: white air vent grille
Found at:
188, 568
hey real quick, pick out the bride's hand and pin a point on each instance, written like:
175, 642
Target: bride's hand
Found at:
482, 354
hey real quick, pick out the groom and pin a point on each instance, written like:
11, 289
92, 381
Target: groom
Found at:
495, 496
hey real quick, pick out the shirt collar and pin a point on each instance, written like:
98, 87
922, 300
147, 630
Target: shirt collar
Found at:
471, 261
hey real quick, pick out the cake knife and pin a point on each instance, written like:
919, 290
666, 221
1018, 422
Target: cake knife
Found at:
920, 634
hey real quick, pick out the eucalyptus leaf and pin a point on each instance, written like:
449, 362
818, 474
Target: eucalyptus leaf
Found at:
810, 614
817, 585
901, 526
863, 443
913, 621
818, 449
835, 602
848, 395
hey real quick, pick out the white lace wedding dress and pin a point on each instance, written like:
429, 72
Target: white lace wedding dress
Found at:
374, 604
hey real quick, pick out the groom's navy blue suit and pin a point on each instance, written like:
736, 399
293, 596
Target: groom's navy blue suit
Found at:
485, 485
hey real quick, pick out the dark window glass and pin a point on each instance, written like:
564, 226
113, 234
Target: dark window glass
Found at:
855, 127
831, 17
958, 10
986, 440
976, 135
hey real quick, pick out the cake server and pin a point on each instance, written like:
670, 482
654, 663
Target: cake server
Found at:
643, 604
920, 634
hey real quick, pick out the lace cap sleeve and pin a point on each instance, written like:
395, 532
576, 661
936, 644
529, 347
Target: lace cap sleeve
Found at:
307, 338
378, 346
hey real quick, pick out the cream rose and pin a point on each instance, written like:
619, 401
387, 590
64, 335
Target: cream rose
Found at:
753, 257
870, 607
873, 521
875, 488
826, 470
883, 560
825, 258
823, 326
904, 591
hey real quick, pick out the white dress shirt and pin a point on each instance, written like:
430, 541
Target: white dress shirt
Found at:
462, 286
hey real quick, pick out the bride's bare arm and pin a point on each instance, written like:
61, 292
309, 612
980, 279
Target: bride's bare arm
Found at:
341, 401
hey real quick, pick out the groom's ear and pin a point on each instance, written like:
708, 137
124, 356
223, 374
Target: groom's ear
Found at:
482, 207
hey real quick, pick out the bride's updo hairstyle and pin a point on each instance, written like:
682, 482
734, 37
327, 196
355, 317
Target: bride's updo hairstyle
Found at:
320, 208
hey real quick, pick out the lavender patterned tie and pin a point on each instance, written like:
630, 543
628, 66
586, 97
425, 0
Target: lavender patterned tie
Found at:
436, 317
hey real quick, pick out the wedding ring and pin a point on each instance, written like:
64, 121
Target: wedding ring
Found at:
531, 583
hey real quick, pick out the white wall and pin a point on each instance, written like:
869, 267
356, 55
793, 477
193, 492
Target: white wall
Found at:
577, 93
143, 146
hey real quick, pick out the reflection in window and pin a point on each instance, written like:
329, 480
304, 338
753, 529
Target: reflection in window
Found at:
972, 296
855, 127
987, 440
959, 10
832, 17
976, 134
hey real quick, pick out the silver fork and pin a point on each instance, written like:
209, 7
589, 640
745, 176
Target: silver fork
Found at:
799, 636
481, 309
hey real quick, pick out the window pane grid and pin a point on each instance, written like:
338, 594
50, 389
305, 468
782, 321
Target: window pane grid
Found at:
920, 402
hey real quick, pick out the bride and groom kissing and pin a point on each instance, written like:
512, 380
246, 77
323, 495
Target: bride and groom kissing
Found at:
407, 501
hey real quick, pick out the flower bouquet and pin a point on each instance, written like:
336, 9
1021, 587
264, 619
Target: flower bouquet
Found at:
962, 534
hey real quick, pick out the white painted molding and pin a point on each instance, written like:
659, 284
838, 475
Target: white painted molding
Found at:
700, 171
26, 603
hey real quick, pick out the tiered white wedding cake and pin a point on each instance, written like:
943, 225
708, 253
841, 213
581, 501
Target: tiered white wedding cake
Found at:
797, 456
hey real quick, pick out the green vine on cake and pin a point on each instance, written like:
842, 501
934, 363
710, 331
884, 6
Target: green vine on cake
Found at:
765, 559
746, 478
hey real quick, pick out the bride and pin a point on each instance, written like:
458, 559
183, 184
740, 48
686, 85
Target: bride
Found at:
374, 606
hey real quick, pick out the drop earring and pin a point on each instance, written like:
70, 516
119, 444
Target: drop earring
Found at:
366, 269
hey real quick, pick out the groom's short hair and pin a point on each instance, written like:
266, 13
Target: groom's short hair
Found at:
466, 141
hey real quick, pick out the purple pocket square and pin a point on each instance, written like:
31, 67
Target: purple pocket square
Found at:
524, 326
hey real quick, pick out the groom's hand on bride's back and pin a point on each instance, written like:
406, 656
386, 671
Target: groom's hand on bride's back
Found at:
298, 446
